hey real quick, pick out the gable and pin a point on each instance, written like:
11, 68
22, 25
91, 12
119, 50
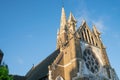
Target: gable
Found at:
86, 35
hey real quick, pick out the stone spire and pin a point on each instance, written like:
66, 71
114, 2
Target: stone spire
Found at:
62, 33
71, 18
72, 23
63, 20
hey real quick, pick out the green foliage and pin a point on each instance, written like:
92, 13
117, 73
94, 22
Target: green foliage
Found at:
4, 73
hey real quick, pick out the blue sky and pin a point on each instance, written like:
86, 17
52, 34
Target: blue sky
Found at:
28, 28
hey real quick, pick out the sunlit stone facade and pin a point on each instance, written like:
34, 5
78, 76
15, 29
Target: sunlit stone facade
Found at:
79, 55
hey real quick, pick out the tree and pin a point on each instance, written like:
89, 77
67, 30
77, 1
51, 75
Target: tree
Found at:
4, 73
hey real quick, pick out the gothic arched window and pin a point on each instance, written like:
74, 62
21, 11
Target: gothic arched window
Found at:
91, 61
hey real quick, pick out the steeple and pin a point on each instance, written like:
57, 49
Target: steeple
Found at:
62, 33
63, 20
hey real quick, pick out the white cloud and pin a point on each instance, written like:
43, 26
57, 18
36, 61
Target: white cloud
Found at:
100, 25
83, 16
20, 61
116, 35
82, 12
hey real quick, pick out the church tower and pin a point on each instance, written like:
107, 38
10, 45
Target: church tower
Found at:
82, 54
79, 55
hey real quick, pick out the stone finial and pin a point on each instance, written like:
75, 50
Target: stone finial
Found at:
83, 22
96, 32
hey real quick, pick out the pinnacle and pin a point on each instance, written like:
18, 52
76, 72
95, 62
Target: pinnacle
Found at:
71, 18
63, 19
83, 21
95, 29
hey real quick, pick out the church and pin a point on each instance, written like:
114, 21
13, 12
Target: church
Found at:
80, 55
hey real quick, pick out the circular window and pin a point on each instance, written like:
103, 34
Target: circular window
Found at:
91, 61
59, 78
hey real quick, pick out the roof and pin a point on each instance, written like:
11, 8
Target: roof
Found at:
17, 77
41, 70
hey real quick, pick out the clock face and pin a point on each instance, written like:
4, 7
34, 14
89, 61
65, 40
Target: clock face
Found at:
90, 60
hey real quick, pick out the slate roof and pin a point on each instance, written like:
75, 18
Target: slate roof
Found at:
17, 77
41, 70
